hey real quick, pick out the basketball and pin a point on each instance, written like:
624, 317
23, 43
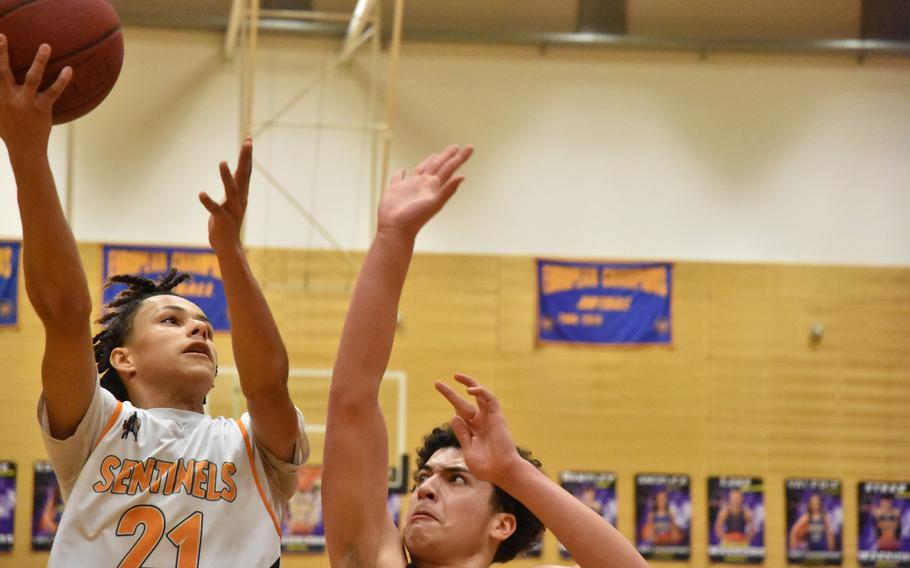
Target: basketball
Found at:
83, 34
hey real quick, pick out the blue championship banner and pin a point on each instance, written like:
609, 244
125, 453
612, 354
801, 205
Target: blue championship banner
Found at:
205, 289
605, 304
9, 283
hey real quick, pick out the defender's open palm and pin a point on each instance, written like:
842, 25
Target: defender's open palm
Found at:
409, 202
227, 216
486, 443
25, 114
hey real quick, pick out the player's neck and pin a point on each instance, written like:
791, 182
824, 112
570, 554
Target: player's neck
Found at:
149, 400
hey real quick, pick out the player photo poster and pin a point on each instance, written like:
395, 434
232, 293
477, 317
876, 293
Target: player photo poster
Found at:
301, 524
736, 520
47, 507
815, 521
9, 282
597, 490
884, 524
7, 504
663, 516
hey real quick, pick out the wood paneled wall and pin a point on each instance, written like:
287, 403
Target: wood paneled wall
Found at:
743, 390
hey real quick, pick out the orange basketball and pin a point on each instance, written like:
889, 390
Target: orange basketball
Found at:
83, 34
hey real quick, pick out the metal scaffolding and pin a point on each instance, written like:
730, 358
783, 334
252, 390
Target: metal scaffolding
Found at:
364, 29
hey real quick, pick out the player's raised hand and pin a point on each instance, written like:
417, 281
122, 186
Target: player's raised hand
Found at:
25, 113
486, 442
227, 217
410, 201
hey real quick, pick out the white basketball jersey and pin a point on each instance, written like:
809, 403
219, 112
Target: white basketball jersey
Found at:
167, 487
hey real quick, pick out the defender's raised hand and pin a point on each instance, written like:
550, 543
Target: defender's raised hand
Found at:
409, 202
486, 442
25, 114
227, 216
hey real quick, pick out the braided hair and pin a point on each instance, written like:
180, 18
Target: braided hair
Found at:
118, 321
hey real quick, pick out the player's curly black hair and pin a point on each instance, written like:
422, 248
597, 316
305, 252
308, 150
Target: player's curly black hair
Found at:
118, 321
528, 527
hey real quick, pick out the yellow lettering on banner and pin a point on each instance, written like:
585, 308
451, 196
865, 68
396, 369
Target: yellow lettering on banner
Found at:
121, 261
200, 263
6, 262
604, 303
652, 280
196, 289
558, 278
566, 318
592, 320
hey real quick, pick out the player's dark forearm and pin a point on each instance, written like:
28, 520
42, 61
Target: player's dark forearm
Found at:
54, 277
259, 351
369, 330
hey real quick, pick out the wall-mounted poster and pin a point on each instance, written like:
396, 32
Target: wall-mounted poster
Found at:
597, 490
47, 507
301, 524
884, 524
604, 303
7, 504
302, 529
205, 288
815, 520
663, 516
9, 283
736, 520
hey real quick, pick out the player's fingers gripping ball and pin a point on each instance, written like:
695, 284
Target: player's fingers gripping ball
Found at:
83, 34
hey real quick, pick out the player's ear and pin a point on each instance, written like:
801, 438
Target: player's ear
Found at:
122, 361
502, 526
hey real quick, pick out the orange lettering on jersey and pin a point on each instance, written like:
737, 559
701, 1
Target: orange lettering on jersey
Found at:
228, 470
199, 479
108, 465
184, 477
196, 478
212, 476
142, 476
119, 487
165, 471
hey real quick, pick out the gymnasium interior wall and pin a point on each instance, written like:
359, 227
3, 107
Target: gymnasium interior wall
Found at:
777, 184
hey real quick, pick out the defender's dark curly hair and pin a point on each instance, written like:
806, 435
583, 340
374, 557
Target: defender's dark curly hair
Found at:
527, 526
118, 321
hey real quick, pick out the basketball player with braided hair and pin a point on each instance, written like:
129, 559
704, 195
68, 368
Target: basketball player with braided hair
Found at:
149, 479
474, 490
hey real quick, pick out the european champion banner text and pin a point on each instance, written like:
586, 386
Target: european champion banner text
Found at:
9, 282
205, 289
606, 304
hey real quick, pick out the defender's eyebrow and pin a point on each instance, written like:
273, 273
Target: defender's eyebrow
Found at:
447, 469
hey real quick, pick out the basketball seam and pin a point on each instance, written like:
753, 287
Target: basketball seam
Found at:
65, 55
10, 11
86, 47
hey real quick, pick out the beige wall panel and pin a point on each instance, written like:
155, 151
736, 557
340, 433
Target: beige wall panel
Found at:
742, 391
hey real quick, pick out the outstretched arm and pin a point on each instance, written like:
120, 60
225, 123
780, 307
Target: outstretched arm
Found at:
490, 454
259, 352
357, 527
54, 278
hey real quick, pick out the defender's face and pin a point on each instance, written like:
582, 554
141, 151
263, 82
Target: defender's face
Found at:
449, 513
171, 341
